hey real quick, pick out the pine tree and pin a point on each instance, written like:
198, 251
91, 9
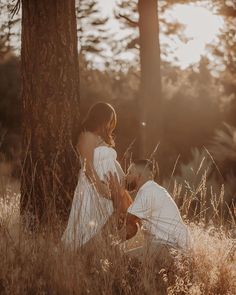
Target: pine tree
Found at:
143, 17
150, 86
50, 98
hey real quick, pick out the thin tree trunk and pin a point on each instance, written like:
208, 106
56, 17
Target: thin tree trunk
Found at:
150, 88
50, 100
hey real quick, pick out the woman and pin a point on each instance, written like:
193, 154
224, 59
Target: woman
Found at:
92, 204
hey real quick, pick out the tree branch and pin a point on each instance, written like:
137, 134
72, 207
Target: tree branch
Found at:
16, 8
130, 21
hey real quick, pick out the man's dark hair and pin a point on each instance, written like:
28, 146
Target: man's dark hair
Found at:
147, 164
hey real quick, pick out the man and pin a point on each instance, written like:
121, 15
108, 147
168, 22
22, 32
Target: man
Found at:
160, 220
152, 207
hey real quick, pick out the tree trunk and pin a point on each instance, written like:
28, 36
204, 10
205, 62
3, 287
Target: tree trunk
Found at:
150, 88
50, 100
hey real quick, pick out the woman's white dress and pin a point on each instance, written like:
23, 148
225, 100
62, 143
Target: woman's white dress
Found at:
90, 211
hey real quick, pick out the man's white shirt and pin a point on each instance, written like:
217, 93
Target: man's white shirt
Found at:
160, 216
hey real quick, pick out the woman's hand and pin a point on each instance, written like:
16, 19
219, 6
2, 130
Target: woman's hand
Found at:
115, 188
121, 198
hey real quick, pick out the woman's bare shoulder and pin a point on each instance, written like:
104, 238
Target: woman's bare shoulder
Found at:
87, 138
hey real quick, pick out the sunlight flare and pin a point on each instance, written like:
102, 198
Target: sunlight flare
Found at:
202, 27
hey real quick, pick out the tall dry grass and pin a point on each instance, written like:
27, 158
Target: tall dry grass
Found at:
38, 263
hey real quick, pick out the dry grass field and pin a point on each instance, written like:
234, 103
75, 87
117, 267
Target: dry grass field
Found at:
38, 264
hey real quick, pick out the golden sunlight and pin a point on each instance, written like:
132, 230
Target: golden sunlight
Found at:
202, 27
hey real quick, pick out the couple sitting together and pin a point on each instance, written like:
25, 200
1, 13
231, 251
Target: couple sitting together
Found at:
101, 194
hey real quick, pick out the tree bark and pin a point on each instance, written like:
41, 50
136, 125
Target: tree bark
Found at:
150, 87
50, 108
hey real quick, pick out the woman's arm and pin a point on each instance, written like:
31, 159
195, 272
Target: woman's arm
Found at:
86, 145
126, 222
120, 197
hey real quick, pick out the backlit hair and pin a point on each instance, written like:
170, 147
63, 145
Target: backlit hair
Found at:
97, 120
